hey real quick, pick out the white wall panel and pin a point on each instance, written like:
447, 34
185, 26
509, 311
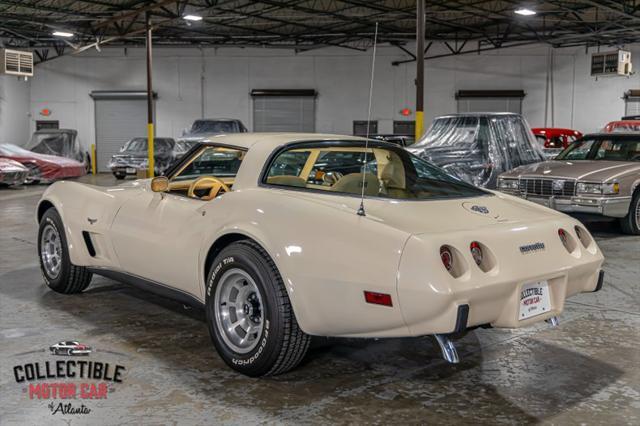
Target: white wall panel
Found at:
340, 76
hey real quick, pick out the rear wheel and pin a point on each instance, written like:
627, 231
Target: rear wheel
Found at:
57, 270
249, 314
119, 176
631, 222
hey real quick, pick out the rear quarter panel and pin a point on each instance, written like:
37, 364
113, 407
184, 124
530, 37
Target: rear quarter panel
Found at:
327, 258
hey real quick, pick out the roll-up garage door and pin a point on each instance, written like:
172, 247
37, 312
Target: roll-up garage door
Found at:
284, 110
632, 103
490, 101
119, 116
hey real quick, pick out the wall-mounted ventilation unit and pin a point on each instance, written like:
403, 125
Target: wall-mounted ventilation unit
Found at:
611, 63
16, 62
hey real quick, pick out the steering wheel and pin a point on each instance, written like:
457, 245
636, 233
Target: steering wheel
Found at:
218, 185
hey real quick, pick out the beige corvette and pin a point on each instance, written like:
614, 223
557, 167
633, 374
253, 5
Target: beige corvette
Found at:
271, 235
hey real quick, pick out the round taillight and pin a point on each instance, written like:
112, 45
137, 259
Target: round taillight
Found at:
563, 236
446, 257
476, 252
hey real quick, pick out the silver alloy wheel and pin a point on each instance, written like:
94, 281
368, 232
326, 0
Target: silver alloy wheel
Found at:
51, 251
638, 214
239, 310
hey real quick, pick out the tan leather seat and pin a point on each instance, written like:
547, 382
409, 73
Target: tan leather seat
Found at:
393, 179
287, 180
352, 184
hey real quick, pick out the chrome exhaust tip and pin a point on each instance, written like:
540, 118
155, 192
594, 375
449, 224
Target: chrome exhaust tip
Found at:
448, 349
553, 321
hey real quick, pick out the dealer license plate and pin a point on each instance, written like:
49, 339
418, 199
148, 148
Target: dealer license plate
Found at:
131, 170
534, 299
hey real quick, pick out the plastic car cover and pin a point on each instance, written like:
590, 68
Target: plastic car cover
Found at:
216, 126
134, 155
42, 166
476, 148
60, 142
12, 172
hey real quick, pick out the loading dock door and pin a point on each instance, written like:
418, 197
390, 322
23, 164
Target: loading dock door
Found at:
284, 110
119, 116
490, 101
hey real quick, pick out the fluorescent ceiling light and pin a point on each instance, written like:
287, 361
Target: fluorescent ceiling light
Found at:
525, 12
192, 17
62, 34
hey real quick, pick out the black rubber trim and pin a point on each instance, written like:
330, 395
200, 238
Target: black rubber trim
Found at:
87, 241
150, 286
461, 318
600, 281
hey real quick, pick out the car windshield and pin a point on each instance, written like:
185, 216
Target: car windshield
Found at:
212, 161
613, 149
214, 126
140, 144
54, 143
623, 127
183, 146
9, 150
344, 166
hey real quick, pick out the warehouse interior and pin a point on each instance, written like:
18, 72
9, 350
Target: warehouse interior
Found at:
306, 66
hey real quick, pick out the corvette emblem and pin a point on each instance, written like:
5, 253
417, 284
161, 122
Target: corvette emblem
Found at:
91, 221
532, 248
480, 209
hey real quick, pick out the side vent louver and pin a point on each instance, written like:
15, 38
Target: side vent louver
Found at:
16, 62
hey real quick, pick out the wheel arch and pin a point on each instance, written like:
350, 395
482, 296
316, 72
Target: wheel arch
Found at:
218, 245
43, 206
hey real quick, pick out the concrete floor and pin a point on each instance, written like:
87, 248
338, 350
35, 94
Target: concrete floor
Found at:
586, 371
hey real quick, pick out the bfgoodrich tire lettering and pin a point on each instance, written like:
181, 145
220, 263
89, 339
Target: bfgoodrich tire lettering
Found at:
67, 278
281, 344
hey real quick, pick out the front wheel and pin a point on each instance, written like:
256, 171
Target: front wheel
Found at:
249, 313
57, 270
631, 222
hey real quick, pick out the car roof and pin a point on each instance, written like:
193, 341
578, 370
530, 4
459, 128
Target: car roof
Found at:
271, 140
479, 114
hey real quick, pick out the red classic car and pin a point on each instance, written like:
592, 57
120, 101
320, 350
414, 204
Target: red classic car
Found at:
554, 140
43, 167
622, 126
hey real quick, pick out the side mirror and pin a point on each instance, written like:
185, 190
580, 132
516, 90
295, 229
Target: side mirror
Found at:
160, 184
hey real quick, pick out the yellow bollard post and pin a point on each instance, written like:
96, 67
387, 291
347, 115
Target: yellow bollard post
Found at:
93, 159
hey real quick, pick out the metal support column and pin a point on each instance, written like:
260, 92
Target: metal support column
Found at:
419, 127
150, 144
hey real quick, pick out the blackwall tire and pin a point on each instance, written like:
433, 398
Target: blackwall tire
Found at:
119, 176
275, 343
58, 272
630, 224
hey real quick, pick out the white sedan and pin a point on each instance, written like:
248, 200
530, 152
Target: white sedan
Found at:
284, 236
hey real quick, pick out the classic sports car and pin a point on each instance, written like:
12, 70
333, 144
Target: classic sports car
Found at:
622, 126
252, 228
12, 172
59, 142
553, 139
598, 175
43, 167
70, 348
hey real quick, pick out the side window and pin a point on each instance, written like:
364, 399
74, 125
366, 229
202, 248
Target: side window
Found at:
213, 161
332, 165
289, 163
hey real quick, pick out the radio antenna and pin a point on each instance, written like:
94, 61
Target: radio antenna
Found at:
361, 211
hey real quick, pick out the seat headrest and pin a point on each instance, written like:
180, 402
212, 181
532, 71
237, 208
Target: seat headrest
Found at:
352, 184
392, 173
